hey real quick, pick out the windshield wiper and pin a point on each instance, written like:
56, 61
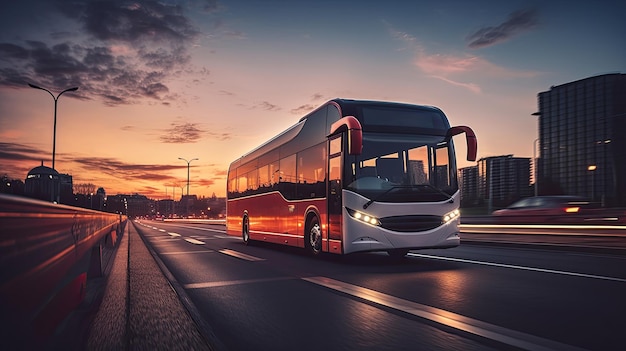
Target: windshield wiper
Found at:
372, 200
428, 186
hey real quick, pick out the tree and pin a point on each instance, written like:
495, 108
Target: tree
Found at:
84, 188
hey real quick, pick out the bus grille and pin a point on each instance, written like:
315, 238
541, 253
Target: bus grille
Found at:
411, 223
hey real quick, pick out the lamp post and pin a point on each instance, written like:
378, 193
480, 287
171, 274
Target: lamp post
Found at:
188, 162
592, 169
537, 141
54, 135
535, 166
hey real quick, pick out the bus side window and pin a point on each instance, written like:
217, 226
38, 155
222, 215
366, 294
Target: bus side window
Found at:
312, 172
287, 180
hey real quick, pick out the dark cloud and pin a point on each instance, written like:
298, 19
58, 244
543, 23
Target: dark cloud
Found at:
209, 5
205, 182
18, 159
220, 136
134, 22
517, 22
10, 152
131, 52
303, 109
267, 106
317, 97
182, 133
10, 51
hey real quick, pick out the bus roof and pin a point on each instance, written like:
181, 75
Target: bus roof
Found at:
348, 107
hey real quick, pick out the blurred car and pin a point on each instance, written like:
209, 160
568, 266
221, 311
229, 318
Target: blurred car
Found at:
545, 209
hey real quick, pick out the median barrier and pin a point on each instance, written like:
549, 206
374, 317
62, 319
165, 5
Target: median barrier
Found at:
47, 253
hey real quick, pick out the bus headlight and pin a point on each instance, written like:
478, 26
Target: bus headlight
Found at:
360, 216
451, 216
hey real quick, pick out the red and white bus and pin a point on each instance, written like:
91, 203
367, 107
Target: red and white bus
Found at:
352, 176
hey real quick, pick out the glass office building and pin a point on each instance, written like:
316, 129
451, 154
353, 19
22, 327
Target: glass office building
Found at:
503, 180
582, 139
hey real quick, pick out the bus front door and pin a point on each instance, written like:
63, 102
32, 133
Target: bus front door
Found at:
333, 242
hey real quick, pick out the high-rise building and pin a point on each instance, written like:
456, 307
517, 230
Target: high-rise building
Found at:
582, 141
468, 183
503, 179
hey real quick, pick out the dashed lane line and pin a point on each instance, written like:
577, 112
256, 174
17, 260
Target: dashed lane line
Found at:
186, 252
194, 241
453, 320
234, 282
240, 255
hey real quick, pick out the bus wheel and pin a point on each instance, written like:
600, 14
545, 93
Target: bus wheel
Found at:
313, 237
397, 253
245, 230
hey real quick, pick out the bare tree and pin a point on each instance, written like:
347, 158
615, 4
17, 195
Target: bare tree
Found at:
84, 188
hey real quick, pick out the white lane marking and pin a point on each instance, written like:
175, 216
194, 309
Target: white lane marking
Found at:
233, 282
224, 236
162, 230
174, 234
200, 228
457, 321
200, 237
185, 252
503, 265
243, 256
161, 239
194, 241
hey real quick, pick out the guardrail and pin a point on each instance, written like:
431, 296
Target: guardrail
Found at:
47, 252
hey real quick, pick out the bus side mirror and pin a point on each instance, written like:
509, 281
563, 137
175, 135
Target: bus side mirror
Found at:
354, 133
470, 137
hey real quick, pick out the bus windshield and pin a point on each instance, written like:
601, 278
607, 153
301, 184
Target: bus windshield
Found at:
403, 168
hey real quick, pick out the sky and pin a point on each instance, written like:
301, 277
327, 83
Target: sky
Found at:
213, 79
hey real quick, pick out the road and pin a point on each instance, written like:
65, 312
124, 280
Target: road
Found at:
473, 297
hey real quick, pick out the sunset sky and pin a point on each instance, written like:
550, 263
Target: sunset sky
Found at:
209, 79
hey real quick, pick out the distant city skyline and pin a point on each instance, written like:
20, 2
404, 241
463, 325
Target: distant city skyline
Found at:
208, 79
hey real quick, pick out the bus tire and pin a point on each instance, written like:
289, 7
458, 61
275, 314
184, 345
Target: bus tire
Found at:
313, 236
245, 230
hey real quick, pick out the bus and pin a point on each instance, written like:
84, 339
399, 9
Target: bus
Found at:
352, 176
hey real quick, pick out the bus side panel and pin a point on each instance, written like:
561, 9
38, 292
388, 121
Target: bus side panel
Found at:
233, 217
274, 219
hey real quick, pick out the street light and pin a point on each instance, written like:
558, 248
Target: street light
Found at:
591, 169
535, 174
54, 135
188, 162
537, 141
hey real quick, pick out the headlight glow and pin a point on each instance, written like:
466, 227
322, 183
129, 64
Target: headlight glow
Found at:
363, 217
451, 216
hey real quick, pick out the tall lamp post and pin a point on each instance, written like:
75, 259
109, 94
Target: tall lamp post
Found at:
54, 135
188, 162
591, 169
535, 173
537, 141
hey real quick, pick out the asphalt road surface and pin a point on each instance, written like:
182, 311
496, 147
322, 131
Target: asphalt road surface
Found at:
472, 297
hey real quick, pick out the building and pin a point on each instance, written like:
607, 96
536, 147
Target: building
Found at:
45, 183
134, 205
468, 182
582, 141
502, 180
